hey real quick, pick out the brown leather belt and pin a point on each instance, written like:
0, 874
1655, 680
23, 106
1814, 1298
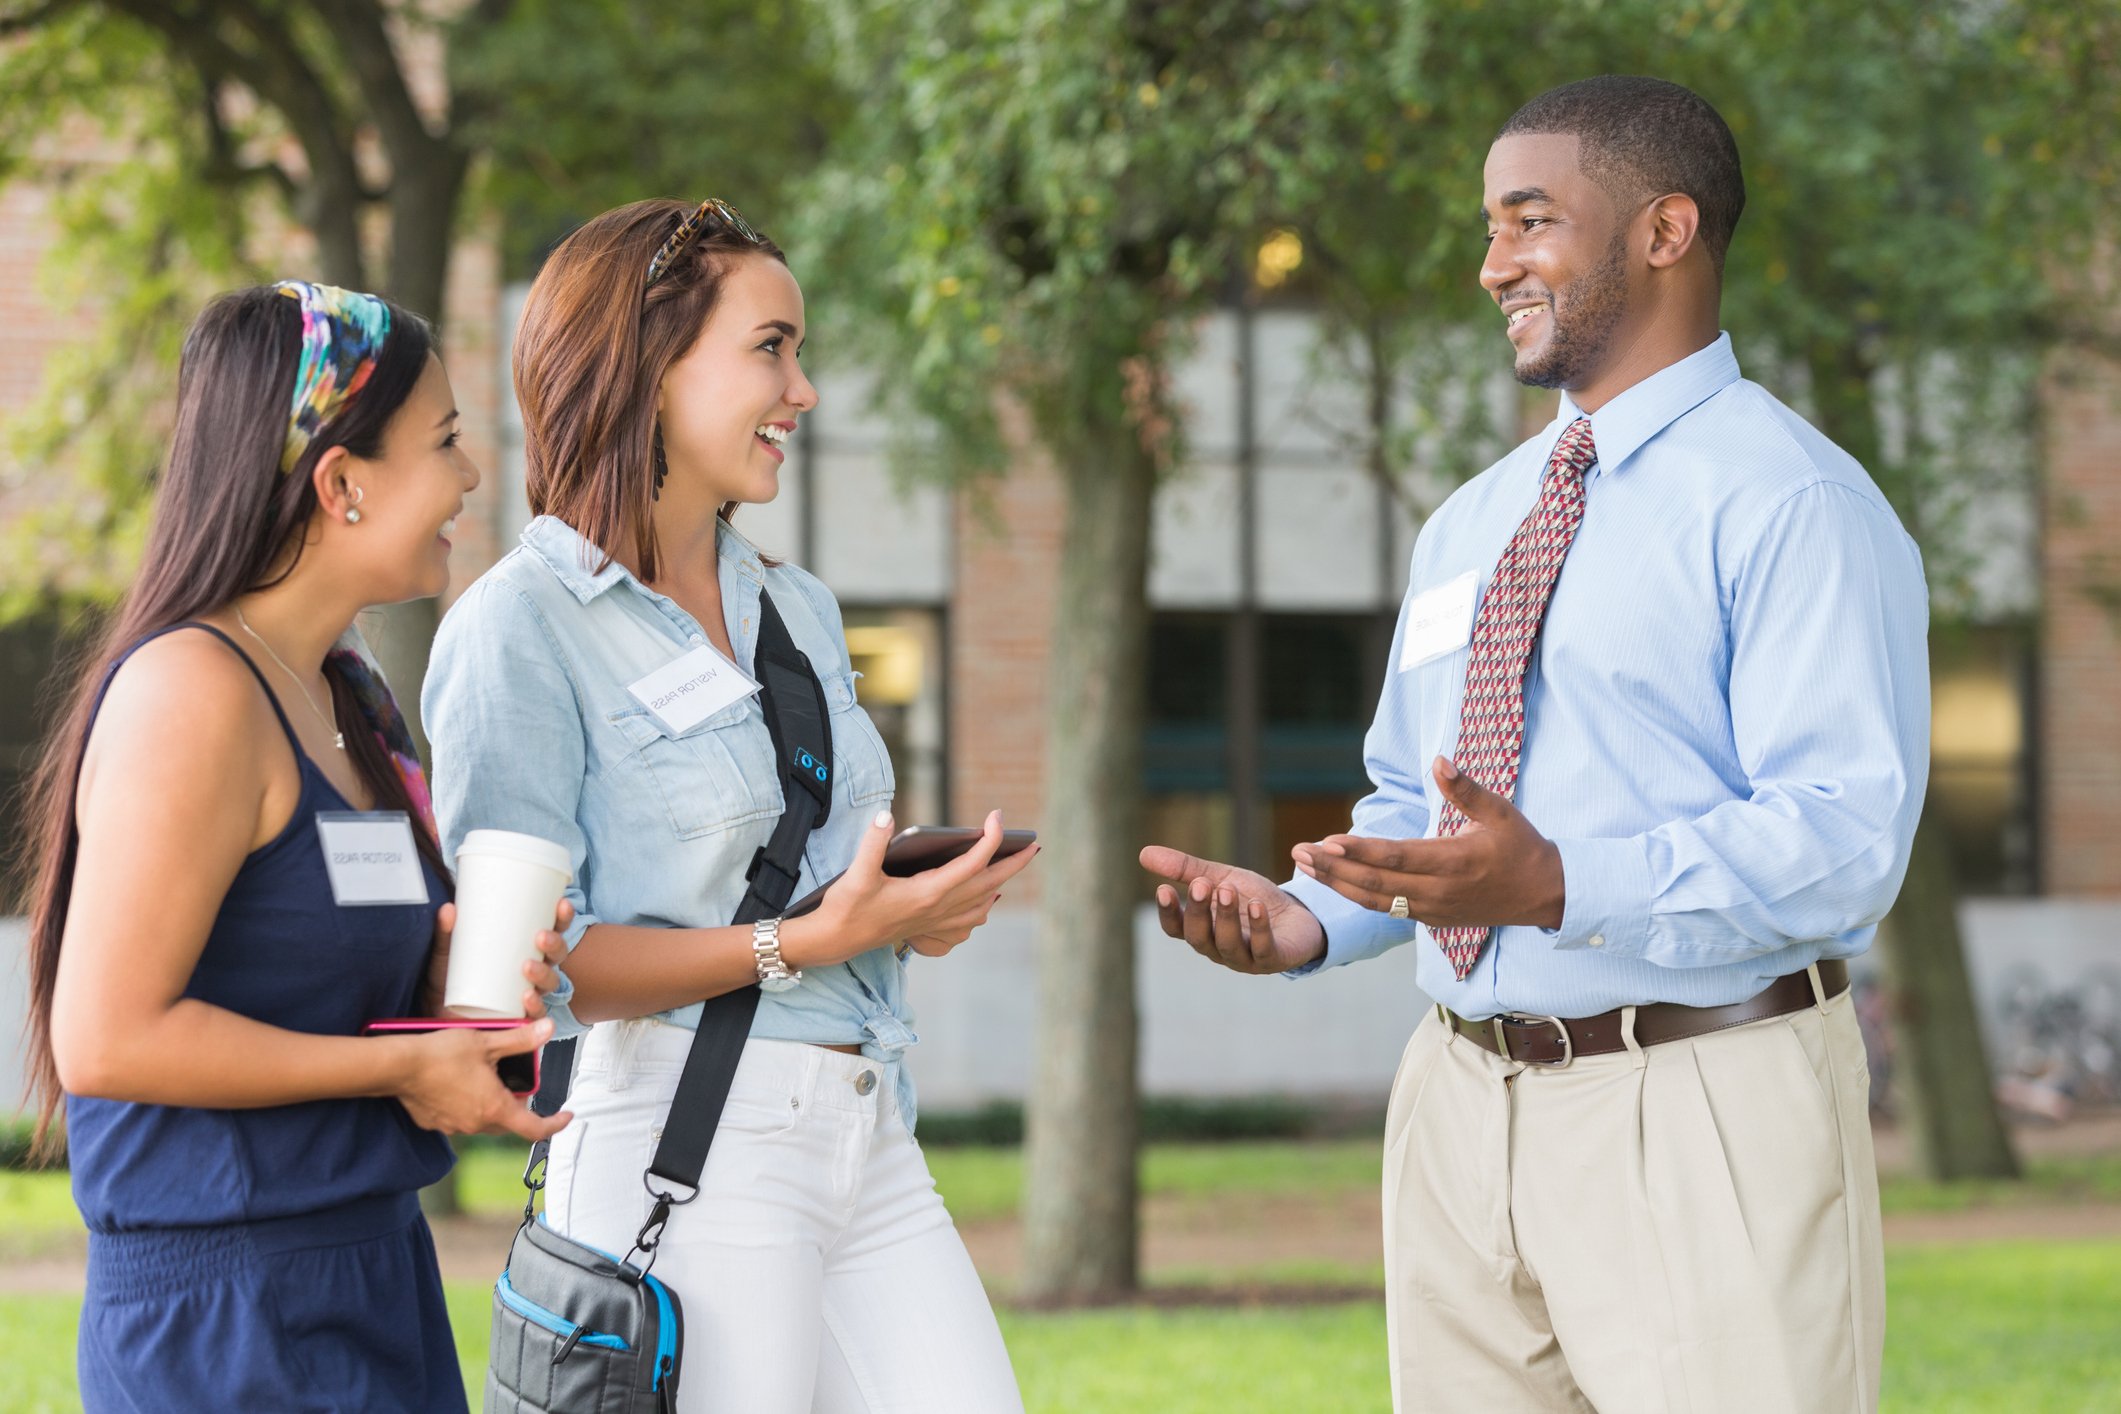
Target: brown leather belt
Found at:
1554, 1042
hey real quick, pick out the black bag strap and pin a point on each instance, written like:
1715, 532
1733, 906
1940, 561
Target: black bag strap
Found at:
800, 721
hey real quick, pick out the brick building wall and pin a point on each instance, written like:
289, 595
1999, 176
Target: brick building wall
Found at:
31, 330
1008, 544
2080, 649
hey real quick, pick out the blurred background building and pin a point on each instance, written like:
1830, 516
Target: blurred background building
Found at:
1279, 563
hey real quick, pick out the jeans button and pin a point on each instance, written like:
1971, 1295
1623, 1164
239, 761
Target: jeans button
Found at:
865, 1082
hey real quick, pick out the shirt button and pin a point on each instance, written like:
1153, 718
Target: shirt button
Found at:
1597, 940
865, 1082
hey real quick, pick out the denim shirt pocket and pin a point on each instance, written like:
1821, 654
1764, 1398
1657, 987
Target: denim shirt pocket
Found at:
864, 761
712, 777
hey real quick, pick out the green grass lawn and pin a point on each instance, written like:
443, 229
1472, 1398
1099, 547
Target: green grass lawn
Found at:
2000, 1328
982, 1183
2016, 1328
37, 1214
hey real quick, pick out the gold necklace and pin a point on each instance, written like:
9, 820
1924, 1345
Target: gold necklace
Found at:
331, 723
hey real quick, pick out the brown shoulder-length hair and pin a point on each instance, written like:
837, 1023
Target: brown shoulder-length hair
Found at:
590, 353
226, 521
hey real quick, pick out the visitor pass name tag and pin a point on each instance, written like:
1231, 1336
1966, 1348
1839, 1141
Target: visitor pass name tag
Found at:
371, 857
687, 692
1439, 622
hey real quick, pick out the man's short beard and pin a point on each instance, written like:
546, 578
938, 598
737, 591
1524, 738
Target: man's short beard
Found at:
1585, 312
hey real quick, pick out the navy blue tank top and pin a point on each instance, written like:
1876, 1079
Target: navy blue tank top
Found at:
281, 952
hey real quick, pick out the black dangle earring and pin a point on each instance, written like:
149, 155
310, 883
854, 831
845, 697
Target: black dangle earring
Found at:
662, 467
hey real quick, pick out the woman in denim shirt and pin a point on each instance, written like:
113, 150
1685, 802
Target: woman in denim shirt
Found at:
656, 369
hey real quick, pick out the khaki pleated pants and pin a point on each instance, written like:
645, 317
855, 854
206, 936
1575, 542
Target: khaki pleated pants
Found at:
1689, 1228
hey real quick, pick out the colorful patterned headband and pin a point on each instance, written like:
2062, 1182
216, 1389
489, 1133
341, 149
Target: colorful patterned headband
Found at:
342, 333
691, 227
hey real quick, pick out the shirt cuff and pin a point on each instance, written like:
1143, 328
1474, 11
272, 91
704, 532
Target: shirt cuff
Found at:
1352, 931
1607, 890
557, 1000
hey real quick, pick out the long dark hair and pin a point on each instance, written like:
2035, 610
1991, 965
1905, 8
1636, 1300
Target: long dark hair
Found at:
591, 351
226, 522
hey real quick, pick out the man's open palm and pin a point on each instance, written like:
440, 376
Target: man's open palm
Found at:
1243, 920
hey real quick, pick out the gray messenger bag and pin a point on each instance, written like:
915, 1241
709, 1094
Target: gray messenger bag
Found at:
581, 1331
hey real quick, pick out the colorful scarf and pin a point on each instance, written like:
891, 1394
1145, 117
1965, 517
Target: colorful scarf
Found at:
380, 710
342, 332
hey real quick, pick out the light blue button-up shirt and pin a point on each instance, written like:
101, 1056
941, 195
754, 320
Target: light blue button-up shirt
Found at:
533, 729
1726, 715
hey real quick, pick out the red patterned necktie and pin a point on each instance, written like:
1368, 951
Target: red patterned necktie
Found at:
1491, 719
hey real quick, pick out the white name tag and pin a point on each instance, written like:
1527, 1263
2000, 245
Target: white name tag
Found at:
1439, 622
371, 857
687, 692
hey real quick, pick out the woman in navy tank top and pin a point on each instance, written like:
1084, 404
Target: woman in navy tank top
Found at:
202, 958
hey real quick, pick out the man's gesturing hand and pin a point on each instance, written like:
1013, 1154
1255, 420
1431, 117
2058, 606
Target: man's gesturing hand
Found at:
1497, 871
1243, 920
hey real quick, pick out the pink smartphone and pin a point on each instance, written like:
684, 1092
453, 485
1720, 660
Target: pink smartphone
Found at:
518, 1072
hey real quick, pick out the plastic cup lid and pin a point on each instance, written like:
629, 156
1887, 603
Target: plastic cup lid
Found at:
508, 844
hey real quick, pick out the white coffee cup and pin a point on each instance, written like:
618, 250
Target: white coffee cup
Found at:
507, 888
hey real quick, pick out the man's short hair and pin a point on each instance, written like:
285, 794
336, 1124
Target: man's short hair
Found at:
1643, 137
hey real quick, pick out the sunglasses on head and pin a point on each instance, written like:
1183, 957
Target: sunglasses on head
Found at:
689, 229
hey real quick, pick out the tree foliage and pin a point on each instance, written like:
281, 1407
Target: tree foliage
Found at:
1038, 198
602, 102
1028, 203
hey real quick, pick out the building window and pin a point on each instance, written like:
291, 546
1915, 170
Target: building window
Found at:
899, 654
1980, 755
1320, 676
1253, 747
1185, 747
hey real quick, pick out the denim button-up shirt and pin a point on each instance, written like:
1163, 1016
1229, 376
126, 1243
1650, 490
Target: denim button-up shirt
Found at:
533, 729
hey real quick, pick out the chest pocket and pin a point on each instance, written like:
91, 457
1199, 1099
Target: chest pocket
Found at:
715, 776
857, 746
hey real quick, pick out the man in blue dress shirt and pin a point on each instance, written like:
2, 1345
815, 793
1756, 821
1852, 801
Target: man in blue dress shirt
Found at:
1627, 1160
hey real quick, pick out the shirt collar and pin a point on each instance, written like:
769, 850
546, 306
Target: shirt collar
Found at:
573, 557
1622, 426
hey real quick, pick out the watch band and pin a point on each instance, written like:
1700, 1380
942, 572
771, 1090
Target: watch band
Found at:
766, 950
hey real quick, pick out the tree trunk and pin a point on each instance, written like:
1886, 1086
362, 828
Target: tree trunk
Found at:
1080, 1185
1950, 1099
1940, 1066
425, 193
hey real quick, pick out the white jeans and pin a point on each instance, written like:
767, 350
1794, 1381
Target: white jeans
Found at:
818, 1268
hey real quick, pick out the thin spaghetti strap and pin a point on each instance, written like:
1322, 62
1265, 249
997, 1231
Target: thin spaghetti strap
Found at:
264, 686
244, 658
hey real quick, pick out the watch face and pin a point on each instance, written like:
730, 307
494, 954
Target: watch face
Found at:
780, 983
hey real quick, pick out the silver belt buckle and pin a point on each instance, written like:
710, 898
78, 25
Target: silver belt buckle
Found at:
1568, 1043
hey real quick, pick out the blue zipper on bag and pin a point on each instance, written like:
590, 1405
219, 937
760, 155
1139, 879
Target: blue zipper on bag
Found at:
666, 1335
559, 1325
